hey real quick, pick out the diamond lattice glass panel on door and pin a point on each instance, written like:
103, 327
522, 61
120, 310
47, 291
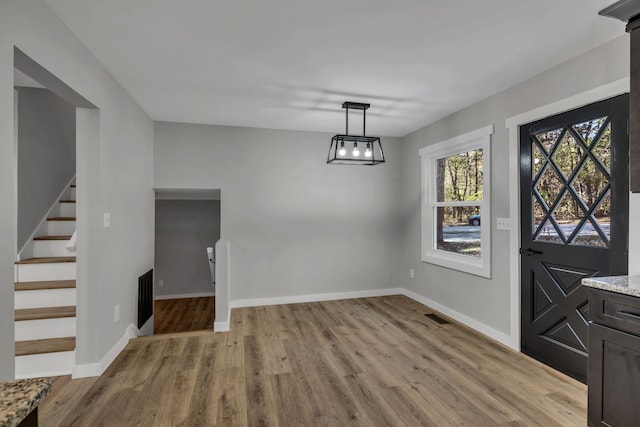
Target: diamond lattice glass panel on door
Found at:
571, 183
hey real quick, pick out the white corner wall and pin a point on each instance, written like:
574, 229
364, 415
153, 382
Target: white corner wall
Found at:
296, 225
118, 179
485, 303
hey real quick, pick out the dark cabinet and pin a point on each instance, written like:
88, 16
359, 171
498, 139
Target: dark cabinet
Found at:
634, 113
629, 11
614, 359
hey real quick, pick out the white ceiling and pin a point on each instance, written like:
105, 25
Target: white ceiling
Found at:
289, 64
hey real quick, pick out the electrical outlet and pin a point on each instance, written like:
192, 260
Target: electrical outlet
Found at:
412, 273
161, 283
503, 223
107, 219
116, 313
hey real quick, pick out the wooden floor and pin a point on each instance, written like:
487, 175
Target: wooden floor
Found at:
183, 315
366, 362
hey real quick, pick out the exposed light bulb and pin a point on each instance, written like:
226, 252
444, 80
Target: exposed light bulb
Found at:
342, 151
356, 152
536, 160
367, 152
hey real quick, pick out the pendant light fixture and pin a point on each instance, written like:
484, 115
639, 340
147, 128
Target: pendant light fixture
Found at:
352, 153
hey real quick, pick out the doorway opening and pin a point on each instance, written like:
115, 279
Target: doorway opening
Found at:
54, 131
187, 227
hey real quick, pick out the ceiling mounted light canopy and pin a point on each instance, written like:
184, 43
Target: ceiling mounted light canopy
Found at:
352, 149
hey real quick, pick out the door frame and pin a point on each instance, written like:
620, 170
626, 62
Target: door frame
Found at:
513, 124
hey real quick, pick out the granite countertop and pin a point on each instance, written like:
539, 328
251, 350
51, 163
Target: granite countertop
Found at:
629, 285
18, 398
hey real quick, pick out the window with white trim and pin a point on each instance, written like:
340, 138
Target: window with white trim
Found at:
456, 204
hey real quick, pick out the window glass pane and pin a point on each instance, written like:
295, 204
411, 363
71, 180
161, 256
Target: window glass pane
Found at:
458, 230
459, 177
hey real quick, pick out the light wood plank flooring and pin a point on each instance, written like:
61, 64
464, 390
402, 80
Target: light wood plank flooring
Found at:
366, 362
183, 315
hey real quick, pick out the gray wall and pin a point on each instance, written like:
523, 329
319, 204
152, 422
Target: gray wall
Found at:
184, 229
46, 154
297, 226
487, 300
118, 173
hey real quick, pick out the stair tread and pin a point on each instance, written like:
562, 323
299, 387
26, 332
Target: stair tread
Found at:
62, 218
50, 345
73, 186
67, 201
45, 313
47, 260
52, 238
45, 285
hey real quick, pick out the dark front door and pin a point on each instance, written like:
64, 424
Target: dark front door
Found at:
574, 206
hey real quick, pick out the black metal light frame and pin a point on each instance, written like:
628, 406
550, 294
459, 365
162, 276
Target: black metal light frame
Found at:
367, 143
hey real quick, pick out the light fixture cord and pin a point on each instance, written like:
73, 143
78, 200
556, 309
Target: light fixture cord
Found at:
347, 130
364, 122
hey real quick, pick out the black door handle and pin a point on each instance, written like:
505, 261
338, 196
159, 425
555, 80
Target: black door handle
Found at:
529, 252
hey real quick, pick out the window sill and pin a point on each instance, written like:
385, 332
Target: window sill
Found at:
457, 262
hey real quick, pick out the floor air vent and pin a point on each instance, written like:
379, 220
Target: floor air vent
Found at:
437, 319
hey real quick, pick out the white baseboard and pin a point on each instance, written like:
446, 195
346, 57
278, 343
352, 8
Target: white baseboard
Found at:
221, 326
465, 320
96, 369
315, 297
147, 328
85, 371
180, 296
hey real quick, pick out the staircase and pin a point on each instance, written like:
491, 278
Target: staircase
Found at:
45, 295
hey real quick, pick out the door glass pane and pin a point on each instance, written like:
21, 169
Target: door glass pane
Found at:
459, 177
568, 154
539, 214
603, 212
550, 185
568, 214
458, 230
548, 139
538, 159
602, 149
588, 236
549, 234
589, 129
590, 183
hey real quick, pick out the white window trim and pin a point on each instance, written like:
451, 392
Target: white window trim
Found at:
480, 138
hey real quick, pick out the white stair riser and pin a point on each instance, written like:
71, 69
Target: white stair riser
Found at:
72, 194
46, 328
45, 298
51, 248
45, 365
43, 272
67, 209
60, 228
